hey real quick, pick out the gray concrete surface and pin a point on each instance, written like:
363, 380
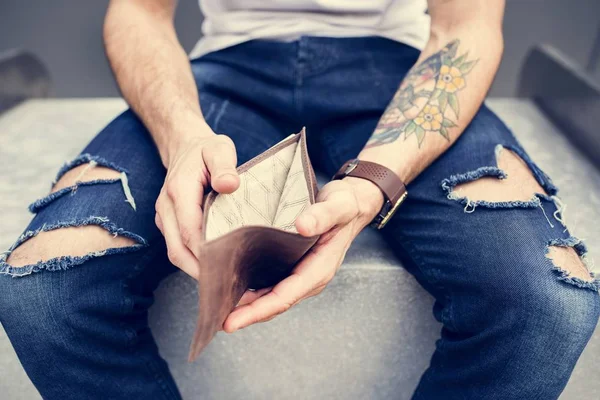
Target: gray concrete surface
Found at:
368, 336
66, 34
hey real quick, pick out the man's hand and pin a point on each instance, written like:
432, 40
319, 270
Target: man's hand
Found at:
192, 165
343, 209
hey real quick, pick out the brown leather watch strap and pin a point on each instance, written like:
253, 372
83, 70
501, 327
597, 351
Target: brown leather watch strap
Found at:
385, 179
389, 183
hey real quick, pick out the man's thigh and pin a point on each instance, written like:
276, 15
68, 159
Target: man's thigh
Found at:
77, 284
481, 231
482, 204
483, 185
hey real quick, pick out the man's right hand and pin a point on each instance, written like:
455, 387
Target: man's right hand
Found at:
193, 165
154, 74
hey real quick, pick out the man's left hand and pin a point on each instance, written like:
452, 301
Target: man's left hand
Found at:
343, 209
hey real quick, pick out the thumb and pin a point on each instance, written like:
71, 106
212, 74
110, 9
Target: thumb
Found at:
220, 159
337, 208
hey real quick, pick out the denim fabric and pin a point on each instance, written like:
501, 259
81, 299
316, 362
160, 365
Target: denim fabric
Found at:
514, 325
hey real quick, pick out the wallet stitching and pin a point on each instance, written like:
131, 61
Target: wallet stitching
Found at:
308, 171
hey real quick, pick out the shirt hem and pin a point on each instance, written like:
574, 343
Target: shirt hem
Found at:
209, 44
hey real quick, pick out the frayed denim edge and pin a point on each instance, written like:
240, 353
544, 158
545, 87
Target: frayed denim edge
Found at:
86, 158
581, 250
66, 262
544, 180
37, 205
44, 201
450, 183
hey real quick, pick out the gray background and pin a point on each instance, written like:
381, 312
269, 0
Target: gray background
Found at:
66, 34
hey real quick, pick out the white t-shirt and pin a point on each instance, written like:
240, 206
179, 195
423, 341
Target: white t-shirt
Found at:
230, 22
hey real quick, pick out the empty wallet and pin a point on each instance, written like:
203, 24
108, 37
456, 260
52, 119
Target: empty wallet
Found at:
250, 237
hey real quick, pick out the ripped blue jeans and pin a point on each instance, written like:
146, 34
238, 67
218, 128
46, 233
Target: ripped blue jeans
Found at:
515, 319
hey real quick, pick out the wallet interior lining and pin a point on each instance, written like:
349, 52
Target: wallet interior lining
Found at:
272, 192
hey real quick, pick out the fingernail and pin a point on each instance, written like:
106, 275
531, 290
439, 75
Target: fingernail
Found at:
227, 175
309, 222
226, 182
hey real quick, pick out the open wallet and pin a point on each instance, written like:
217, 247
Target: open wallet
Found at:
250, 237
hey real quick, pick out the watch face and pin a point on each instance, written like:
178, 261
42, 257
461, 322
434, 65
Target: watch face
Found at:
387, 215
387, 206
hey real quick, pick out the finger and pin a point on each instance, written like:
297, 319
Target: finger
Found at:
322, 262
280, 299
158, 223
314, 292
221, 159
178, 253
186, 193
338, 208
310, 277
251, 295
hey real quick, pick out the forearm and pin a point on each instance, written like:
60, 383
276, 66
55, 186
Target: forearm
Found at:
153, 71
439, 96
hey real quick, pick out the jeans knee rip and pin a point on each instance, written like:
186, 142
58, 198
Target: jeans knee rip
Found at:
575, 268
92, 162
542, 187
66, 262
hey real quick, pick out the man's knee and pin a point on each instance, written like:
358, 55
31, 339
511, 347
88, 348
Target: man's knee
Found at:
45, 288
556, 321
56, 274
558, 310
51, 317
54, 312
528, 272
34, 312
71, 242
541, 308
73, 234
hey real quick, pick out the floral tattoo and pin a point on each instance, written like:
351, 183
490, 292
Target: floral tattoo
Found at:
427, 99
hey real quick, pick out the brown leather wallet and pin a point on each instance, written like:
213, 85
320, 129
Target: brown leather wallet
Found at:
250, 236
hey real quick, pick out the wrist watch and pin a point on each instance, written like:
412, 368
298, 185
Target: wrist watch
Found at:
392, 187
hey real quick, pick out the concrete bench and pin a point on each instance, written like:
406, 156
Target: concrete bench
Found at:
369, 335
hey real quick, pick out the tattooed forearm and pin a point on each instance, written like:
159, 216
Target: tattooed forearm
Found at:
427, 100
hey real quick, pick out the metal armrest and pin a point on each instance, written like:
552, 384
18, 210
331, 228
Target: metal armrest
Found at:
22, 76
568, 96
